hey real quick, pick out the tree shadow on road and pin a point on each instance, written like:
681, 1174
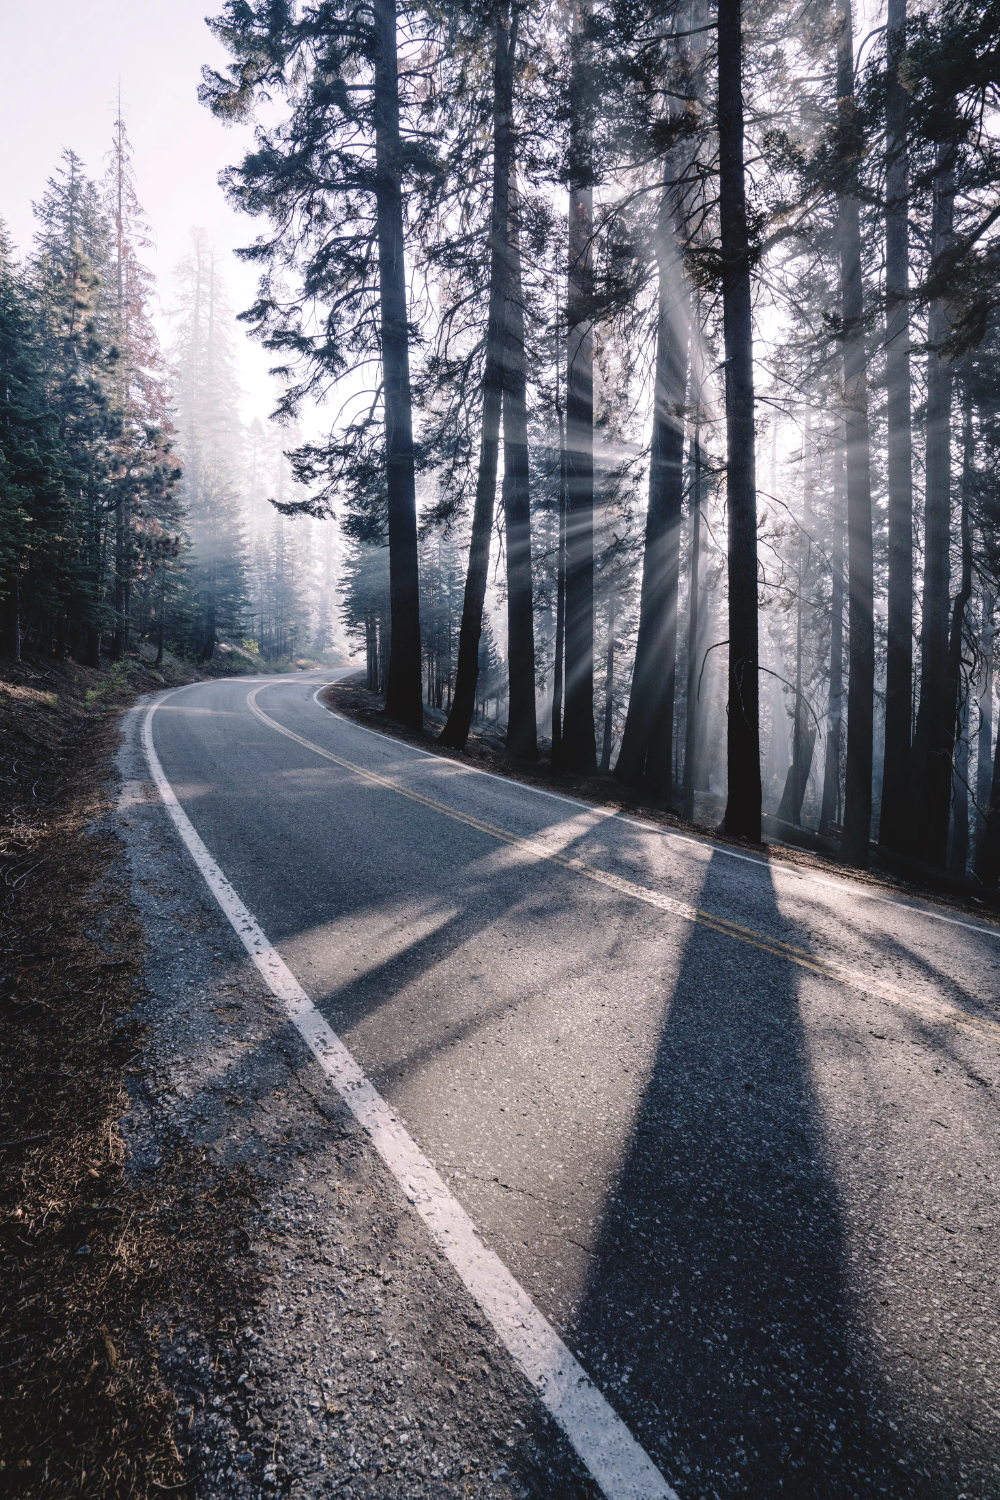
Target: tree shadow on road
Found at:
736, 1359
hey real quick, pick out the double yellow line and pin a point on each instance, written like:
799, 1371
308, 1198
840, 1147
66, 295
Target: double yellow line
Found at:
935, 1011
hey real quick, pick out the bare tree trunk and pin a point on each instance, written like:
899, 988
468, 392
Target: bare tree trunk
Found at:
790, 806
957, 702
609, 682
743, 805
371, 653
829, 814
644, 761
693, 634
984, 747
579, 744
935, 718
456, 730
560, 642
522, 727
854, 847
803, 734
403, 689
988, 856
895, 817
958, 859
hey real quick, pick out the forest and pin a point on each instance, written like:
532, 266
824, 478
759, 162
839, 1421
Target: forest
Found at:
637, 394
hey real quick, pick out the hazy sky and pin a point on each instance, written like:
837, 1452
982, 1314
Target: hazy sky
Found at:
61, 74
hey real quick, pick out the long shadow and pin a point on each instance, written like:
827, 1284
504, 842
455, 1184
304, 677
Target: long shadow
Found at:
735, 1360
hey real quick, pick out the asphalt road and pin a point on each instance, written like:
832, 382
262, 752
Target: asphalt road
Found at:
732, 1126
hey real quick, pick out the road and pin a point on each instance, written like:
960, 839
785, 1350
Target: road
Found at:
732, 1125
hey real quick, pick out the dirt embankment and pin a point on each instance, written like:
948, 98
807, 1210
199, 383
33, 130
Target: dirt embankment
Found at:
92, 1257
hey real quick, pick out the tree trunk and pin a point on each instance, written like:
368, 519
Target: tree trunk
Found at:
854, 847
579, 743
984, 758
403, 690
560, 642
957, 703
693, 634
830, 811
895, 818
609, 682
935, 721
958, 859
644, 761
371, 650
119, 644
790, 806
522, 728
988, 856
456, 730
742, 817
803, 735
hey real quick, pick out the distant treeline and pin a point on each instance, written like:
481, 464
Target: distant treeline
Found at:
133, 498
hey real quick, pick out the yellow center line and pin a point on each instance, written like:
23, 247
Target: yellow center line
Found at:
929, 1009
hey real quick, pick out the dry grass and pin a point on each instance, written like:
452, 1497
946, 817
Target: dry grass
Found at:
96, 1260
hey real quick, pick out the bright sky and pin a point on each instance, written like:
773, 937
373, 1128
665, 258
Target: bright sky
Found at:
60, 86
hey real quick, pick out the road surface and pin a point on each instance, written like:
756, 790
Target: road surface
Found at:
731, 1125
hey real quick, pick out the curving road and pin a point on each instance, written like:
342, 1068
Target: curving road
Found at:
731, 1125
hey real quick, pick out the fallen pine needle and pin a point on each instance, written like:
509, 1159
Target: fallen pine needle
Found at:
109, 1347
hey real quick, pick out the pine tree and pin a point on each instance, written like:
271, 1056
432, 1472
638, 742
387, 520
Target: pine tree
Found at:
331, 180
743, 807
209, 438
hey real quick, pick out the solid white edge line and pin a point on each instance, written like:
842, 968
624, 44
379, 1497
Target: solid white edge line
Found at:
617, 1462
657, 828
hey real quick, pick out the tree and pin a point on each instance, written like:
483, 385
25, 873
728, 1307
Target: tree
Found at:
36, 513
645, 758
522, 731
854, 846
743, 806
456, 730
209, 436
578, 744
144, 474
894, 821
344, 145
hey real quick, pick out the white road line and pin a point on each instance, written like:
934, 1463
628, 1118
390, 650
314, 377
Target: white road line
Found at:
617, 1462
774, 867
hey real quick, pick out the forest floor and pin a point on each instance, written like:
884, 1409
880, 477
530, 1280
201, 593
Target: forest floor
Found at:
485, 751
